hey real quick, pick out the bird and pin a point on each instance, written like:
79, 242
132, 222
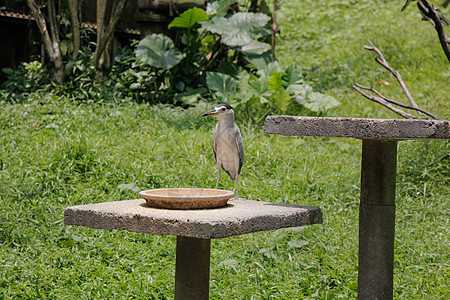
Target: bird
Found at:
227, 143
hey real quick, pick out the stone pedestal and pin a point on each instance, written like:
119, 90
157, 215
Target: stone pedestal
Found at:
194, 230
378, 173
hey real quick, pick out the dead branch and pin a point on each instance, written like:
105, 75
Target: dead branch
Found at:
381, 101
386, 102
433, 15
371, 89
382, 61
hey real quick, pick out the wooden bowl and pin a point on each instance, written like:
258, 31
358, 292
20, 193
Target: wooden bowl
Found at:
186, 198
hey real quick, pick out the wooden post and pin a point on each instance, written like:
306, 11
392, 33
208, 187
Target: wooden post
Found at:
192, 268
377, 219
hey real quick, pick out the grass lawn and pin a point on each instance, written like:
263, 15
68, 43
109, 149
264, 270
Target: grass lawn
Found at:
57, 153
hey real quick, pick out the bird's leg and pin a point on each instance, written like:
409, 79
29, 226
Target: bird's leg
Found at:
218, 175
237, 188
236, 164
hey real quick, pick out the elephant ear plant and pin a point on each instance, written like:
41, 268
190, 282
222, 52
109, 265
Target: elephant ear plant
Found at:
270, 91
203, 42
158, 51
215, 55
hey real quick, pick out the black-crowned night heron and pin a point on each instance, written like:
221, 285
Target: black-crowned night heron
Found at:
228, 145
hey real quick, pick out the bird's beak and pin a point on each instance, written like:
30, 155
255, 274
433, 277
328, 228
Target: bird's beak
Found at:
210, 113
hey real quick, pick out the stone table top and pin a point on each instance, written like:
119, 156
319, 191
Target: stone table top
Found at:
238, 217
386, 129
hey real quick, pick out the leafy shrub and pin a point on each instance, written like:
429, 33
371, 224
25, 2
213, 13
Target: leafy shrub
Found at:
213, 57
80, 73
133, 80
203, 42
29, 77
270, 90
226, 56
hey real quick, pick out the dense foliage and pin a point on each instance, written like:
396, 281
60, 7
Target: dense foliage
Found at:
83, 143
215, 56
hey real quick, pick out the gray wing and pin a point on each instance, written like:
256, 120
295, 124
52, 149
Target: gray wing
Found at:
214, 144
240, 147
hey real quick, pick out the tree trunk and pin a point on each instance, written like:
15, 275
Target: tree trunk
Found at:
105, 34
74, 6
50, 37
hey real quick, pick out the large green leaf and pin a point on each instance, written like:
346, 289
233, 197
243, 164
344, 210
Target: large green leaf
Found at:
255, 47
219, 7
259, 88
229, 68
282, 99
301, 92
259, 61
291, 76
223, 84
250, 22
238, 30
275, 81
267, 70
217, 25
257, 85
319, 102
238, 38
189, 18
294, 84
158, 50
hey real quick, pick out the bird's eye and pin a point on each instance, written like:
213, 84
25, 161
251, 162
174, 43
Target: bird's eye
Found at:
223, 109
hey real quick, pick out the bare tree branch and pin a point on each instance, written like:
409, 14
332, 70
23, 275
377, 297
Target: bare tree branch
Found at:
382, 61
395, 102
381, 101
432, 14
386, 102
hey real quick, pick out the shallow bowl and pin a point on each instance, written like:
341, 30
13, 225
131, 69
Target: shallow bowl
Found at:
186, 198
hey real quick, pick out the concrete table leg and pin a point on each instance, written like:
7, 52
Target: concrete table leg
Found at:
192, 268
377, 220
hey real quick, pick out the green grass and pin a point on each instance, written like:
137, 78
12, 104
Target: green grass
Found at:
78, 154
57, 153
